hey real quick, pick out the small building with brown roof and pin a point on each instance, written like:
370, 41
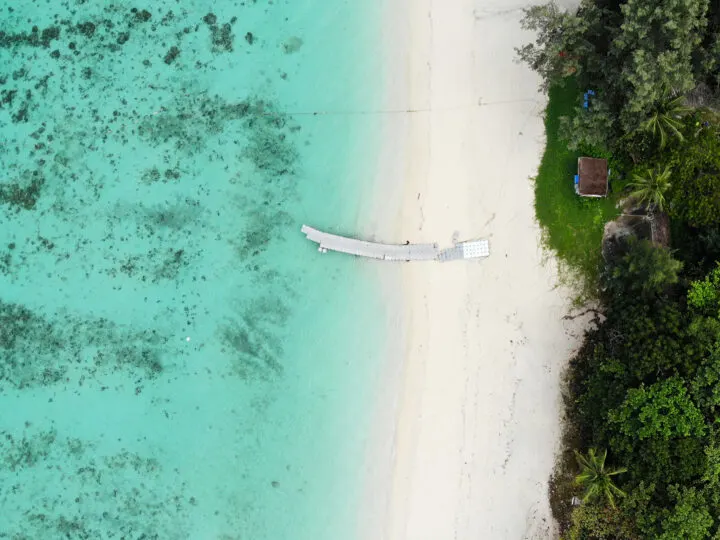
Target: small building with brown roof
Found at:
592, 177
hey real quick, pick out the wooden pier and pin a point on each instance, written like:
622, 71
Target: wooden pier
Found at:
396, 252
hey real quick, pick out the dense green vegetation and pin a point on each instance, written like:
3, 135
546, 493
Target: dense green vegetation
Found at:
643, 446
572, 226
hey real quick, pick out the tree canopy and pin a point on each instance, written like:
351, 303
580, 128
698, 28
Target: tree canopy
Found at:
635, 54
695, 192
645, 384
654, 48
647, 388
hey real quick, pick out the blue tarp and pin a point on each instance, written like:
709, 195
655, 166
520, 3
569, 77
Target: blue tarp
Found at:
586, 98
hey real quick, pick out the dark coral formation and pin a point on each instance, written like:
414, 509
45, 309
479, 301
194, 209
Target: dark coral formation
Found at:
87, 29
141, 16
24, 192
221, 35
103, 190
171, 55
122, 38
34, 38
123, 488
36, 350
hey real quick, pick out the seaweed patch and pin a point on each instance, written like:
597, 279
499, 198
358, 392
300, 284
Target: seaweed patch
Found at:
36, 350
221, 35
253, 339
86, 494
24, 192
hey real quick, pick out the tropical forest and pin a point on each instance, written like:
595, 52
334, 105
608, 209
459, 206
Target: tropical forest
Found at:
636, 83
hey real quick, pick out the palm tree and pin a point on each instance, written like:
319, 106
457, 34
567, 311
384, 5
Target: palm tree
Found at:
595, 478
650, 188
665, 119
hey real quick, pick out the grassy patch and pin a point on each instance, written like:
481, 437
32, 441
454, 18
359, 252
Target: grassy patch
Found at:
572, 225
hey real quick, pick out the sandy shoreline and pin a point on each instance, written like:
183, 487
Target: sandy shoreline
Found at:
469, 419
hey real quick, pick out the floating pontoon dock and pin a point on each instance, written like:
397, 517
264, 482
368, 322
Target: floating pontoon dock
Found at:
396, 252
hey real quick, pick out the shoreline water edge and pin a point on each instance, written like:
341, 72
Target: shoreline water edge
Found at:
179, 361
175, 360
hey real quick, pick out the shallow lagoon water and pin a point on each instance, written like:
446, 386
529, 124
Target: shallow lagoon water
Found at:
176, 361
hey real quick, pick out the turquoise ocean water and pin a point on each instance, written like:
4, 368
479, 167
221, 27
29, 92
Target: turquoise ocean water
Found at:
176, 360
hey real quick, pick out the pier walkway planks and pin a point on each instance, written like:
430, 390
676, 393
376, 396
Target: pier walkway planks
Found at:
396, 252
361, 248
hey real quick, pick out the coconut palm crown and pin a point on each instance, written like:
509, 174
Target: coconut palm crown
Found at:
596, 479
665, 119
649, 188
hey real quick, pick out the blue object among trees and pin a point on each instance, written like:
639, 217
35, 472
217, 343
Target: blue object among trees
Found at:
586, 98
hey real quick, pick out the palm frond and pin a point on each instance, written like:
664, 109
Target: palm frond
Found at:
665, 119
595, 478
582, 461
612, 487
601, 460
677, 105
649, 188
673, 125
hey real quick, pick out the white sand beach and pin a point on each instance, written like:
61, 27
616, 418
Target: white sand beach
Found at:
469, 422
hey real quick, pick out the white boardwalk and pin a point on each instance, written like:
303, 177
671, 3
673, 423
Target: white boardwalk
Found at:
396, 252
385, 252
